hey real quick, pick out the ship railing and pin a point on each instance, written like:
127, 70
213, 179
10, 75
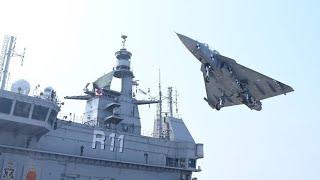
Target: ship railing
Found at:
35, 92
77, 118
71, 117
147, 133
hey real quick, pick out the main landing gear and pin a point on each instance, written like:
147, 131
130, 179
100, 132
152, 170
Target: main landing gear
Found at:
220, 104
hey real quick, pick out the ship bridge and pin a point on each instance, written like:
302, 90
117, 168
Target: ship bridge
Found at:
23, 115
23, 118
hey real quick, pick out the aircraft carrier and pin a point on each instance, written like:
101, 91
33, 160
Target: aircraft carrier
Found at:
37, 145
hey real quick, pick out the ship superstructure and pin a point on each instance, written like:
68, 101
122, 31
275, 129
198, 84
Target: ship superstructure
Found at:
34, 143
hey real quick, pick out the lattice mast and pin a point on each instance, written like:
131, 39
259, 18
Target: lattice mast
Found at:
7, 51
158, 126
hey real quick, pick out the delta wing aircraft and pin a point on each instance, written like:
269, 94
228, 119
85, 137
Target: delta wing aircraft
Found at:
229, 83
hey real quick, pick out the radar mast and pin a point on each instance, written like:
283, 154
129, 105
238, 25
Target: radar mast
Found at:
122, 69
8, 51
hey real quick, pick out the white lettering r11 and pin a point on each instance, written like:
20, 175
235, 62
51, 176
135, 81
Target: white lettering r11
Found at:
99, 136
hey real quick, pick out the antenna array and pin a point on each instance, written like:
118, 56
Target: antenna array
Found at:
7, 51
3, 54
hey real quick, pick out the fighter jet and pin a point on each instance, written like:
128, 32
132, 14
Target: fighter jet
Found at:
229, 83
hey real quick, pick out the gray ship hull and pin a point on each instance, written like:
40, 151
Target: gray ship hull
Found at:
37, 145
58, 155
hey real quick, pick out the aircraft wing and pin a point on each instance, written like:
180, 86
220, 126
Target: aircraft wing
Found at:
214, 92
259, 85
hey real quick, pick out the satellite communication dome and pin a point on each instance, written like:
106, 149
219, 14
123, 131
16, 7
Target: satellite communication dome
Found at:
21, 86
47, 92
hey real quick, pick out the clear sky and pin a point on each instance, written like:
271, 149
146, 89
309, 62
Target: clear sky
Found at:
70, 43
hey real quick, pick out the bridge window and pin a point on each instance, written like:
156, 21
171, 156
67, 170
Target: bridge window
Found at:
52, 117
22, 109
182, 162
5, 105
192, 163
172, 162
40, 113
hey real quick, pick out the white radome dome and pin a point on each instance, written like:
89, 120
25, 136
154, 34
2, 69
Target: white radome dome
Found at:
21, 86
47, 92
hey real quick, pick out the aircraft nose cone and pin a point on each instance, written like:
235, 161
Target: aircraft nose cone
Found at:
188, 42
